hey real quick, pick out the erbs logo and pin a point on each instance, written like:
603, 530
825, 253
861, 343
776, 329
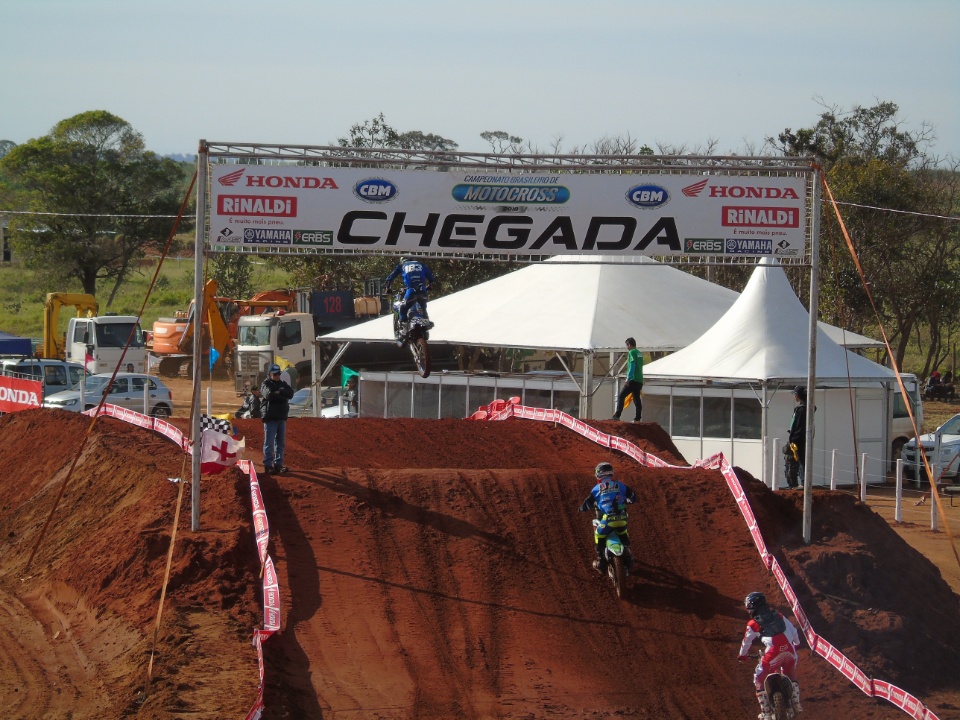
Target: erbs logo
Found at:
647, 196
375, 190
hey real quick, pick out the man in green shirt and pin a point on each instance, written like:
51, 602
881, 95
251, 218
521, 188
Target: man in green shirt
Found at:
634, 382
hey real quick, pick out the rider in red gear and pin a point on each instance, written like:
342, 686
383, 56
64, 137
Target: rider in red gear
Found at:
780, 639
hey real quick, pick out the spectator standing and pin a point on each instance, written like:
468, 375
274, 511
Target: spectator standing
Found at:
251, 404
795, 449
634, 381
274, 407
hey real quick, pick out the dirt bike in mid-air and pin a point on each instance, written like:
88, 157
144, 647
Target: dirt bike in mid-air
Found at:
780, 693
617, 555
414, 333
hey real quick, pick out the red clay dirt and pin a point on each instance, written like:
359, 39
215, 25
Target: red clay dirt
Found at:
432, 569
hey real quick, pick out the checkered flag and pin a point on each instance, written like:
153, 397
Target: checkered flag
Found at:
220, 426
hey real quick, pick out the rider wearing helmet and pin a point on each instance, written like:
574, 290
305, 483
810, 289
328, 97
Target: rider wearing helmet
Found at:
609, 499
781, 640
417, 279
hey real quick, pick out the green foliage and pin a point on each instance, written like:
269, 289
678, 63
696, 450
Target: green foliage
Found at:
100, 199
894, 197
233, 273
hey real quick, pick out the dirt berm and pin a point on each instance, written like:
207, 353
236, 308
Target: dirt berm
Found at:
432, 570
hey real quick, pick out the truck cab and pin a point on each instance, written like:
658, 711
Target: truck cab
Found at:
98, 342
262, 339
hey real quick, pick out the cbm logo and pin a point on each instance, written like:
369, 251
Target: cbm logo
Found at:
375, 190
647, 196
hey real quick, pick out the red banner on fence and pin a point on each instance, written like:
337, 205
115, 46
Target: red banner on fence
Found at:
17, 394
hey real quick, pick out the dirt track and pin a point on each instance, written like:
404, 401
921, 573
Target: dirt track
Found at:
448, 581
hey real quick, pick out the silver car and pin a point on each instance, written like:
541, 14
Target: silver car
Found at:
127, 391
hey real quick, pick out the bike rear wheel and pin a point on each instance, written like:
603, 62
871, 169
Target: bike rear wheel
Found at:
421, 355
781, 703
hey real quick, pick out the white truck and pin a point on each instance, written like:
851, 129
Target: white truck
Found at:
262, 339
98, 342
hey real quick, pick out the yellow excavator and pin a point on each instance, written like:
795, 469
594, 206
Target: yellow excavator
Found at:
173, 337
54, 344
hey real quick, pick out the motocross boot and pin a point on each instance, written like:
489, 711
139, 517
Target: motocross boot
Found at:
795, 700
600, 565
766, 709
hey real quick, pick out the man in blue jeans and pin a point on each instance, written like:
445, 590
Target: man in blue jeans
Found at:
274, 407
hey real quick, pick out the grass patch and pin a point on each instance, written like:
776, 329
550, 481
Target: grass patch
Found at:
22, 298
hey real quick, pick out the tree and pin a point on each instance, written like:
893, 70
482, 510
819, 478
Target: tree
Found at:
6, 146
377, 133
233, 273
895, 196
502, 142
97, 199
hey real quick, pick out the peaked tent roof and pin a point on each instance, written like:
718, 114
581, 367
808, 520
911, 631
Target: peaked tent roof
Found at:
763, 336
576, 303
571, 304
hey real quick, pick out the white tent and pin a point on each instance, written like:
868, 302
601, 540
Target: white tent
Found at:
580, 304
731, 389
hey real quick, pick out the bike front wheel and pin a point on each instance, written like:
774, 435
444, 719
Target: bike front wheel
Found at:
618, 574
421, 355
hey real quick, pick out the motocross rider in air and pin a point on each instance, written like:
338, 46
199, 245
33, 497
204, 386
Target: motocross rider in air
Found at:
609, 499
417, 279
780, 640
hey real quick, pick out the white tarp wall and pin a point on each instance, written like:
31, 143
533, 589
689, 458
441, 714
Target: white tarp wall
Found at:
704, 421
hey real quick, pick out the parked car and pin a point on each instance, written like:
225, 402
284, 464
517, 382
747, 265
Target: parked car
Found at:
56, 375
127, 391
301, 404
949, 458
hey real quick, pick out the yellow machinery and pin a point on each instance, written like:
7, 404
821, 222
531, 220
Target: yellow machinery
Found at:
53, 343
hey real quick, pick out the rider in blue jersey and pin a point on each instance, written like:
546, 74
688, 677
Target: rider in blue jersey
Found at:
417, 279
609, 499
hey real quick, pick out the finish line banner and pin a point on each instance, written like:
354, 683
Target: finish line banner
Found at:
506, 214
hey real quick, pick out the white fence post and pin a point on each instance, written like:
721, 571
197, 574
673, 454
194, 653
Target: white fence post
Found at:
209, 401
777, 454
863, 477
933, 505
898, 511
833, 469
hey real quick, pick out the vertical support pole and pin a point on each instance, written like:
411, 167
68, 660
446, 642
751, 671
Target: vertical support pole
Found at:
777, 454
863, 477
199, 248
812, 359
765, 461
898, 507
833, 469
209, 400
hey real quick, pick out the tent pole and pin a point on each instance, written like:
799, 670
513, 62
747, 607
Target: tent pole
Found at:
586, 396
812, 360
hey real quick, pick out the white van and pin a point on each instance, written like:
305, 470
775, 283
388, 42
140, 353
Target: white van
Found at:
98, 342
56, 375
901, 430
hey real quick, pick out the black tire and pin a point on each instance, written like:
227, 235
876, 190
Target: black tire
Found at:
618, 575
421, 355
161, 411
780, 697
895, 450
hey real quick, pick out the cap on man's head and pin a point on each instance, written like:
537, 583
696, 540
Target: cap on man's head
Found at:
274, 369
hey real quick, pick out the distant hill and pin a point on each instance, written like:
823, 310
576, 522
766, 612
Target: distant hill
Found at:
182, 158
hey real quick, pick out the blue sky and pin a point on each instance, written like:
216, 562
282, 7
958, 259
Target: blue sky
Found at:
681, 73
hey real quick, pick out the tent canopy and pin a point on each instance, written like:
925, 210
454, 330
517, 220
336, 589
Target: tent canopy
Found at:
13, 345
575, 304
763, 336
